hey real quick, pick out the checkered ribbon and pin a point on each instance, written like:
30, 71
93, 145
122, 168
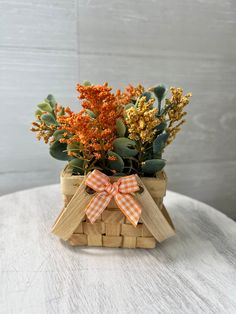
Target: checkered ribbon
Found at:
120, 190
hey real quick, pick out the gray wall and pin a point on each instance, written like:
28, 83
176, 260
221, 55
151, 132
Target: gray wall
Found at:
48, 46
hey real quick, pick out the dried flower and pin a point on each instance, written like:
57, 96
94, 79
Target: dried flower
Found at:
130, 94
95, 134
112, 158
42, 130
142, 121
175, 111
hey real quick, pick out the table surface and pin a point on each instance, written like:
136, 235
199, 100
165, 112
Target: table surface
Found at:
193, 272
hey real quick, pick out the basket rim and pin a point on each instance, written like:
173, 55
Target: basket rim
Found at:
67, 170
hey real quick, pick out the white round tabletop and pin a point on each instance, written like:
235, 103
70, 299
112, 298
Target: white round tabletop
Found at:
193, 272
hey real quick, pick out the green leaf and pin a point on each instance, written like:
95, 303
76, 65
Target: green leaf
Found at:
86, 83
45, 106
119, 174
151, 166
75, 147
162, 126
159, 144
118, 164
91, 113
61, 112
58, 134
38, 113
124, 147
148, 95
48, 118
129, 106
160, 92
58, 151
120, 127
52, 100
78, 164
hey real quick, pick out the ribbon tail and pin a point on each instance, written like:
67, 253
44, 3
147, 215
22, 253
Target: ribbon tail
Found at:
97, 205
129, 207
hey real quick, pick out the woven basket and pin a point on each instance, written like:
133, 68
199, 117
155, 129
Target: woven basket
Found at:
112, 228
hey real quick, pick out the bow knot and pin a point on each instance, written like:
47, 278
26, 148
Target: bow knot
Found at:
106, 190
112, 189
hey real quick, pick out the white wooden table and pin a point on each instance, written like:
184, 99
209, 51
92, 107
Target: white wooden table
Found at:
193, 272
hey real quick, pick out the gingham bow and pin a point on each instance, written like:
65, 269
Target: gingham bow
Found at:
120, 190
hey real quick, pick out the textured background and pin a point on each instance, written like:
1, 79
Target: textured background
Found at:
48, 46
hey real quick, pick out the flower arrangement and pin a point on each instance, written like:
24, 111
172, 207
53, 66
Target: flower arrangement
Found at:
119, 133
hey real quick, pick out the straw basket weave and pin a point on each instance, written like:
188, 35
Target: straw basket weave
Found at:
112, 228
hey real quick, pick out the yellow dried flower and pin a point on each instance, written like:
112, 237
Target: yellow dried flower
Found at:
175, 111
42, 130
142, 121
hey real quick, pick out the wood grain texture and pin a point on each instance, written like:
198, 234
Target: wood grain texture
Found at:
38, 25
147, 27
38, 55
152, 216
193, 272
48, 47
73, 214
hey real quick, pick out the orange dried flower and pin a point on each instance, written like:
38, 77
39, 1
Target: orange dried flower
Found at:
131, 93
95, 134
111, 158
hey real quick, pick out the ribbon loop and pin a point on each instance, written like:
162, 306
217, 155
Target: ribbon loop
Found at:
120, 190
